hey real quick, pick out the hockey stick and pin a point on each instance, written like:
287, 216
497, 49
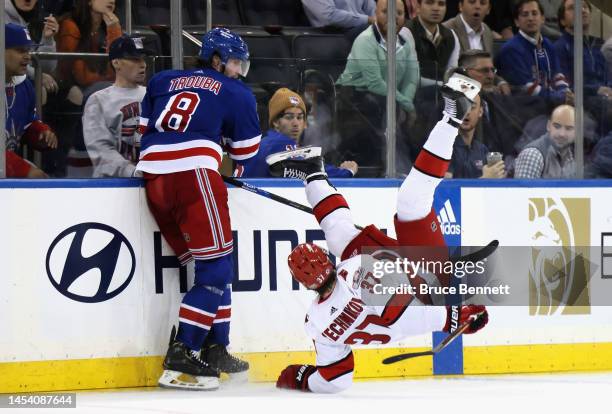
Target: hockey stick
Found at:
267, 194
447, 341
479, 255
476, 256
271, 196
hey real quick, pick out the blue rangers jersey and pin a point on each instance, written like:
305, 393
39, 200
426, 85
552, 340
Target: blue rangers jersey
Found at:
274, 142
20, 108
189, 117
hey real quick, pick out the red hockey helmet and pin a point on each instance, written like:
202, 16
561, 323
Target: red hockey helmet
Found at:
310, 265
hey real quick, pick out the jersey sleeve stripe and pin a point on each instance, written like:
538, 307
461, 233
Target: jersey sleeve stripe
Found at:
328, 205
243, 150
242, 143
431, 164
337, 369
238, 157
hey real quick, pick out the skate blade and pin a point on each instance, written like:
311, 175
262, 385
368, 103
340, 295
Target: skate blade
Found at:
468, 86
235, 378
300, 153
182, 381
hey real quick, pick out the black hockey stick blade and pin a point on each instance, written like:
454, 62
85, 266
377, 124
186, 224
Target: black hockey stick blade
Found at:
450, 338
481, 254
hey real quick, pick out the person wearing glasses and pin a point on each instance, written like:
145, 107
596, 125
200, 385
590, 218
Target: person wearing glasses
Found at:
501, 125
287, 117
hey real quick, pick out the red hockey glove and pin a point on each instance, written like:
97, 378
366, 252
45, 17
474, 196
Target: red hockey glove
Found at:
295, 377
457, 315
39, 136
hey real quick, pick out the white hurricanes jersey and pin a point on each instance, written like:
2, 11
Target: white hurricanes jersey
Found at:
347, 318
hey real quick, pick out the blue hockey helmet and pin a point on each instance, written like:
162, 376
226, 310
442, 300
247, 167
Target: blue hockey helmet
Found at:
228, 45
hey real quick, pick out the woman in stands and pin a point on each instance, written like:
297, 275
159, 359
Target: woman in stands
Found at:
90, 28
42, 30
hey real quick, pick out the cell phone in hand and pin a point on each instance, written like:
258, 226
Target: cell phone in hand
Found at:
493, 158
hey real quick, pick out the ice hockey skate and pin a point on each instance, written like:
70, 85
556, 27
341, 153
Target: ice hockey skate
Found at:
183, 369
301, 163
220, 359
459, 93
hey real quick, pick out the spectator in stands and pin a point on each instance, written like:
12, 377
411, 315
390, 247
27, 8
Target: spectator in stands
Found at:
42, 30
352, 16
364, 88
22, 123
601, 161
595, 66
500, 126
366, 69
411, 9
550, 29
287, 115
500, 19
90, 27
479, 65
469, 25
111, 116
551, 155
528, 61
57, 7
606, 49
469, 158
437, 46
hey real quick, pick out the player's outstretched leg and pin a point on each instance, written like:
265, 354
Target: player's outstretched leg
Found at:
183, 369
329, 206
415, 197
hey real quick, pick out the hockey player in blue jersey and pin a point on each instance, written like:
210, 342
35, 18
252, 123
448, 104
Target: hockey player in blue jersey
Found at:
287, 117
188, 119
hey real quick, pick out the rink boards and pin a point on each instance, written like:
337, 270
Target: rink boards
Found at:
90, 289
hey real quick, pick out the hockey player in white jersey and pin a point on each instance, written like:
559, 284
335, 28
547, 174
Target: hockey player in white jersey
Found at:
339, 317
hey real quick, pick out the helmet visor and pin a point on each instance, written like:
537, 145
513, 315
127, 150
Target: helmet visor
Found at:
237, 67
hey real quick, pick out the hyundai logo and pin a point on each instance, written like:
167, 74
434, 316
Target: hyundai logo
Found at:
90, 262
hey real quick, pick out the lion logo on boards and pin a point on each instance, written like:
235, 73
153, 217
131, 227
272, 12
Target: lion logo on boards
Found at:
559, 265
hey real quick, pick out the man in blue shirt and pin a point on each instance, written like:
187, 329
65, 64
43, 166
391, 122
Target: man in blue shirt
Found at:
528, 61
469, 158
350, 16
597, 85
287, 115
595, 66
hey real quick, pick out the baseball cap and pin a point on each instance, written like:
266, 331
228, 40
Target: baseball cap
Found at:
127, 47
282, 99
17, 36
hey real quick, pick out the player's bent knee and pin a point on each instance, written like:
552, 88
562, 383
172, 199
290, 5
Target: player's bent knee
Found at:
217, 273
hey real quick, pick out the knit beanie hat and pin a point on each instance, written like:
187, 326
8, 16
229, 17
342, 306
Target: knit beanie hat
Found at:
282, 99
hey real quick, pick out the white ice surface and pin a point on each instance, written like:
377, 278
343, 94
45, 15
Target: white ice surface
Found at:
516, 394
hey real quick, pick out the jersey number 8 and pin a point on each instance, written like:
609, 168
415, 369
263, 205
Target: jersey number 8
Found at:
176, 116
